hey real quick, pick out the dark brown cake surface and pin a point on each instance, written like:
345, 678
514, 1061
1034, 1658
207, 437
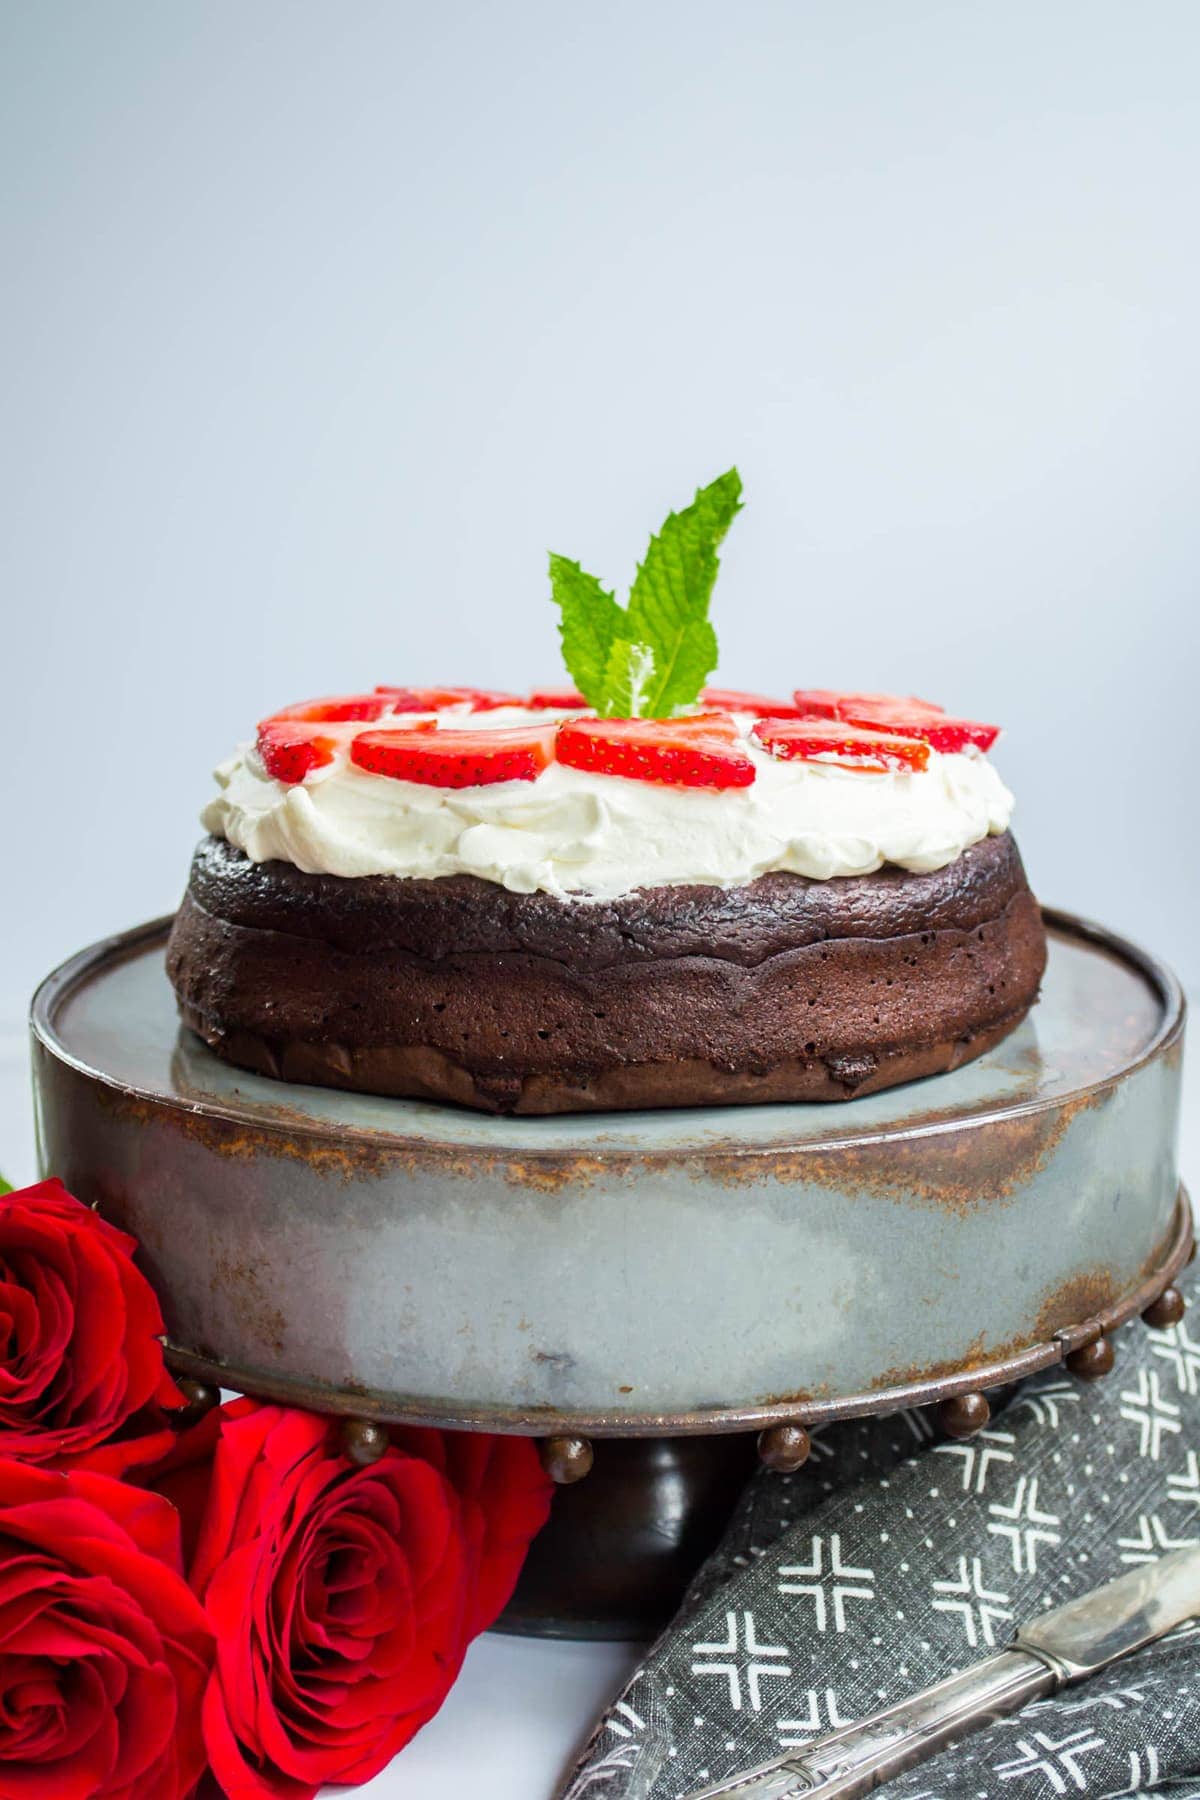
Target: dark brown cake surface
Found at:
456, 989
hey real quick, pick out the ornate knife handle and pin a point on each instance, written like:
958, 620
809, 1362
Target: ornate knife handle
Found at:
856, 1759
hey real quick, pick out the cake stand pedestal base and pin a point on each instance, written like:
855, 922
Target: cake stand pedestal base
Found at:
621, 1547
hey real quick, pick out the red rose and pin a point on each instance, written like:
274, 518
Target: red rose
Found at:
506, 1500
343, 1598
104, 1650
79, 1328
172, 1460
126, 1456
182, 1474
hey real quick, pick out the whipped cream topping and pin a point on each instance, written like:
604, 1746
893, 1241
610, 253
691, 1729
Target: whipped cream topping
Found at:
594, 837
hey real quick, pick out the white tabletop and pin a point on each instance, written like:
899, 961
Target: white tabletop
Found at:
522, 1706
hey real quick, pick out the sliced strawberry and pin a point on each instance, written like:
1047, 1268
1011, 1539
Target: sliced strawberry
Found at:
563, 699
908, 717
734, 700
700, 751
456, 759
829, 703
290, 750
912, 719
852, 746
434, 699
327, 712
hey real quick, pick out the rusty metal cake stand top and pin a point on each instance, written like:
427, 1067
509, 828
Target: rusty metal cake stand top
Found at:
638, 1273
655, 1278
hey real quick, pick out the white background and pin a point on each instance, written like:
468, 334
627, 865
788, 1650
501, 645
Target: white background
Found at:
321, 324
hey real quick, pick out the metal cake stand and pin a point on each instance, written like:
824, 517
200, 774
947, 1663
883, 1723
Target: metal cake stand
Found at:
645, 1291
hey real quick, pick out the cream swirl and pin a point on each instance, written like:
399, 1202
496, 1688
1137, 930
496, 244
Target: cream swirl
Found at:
593, 837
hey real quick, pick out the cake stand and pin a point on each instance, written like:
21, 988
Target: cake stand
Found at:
657, 1294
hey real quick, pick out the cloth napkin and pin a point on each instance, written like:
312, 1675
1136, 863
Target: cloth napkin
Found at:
895, 1557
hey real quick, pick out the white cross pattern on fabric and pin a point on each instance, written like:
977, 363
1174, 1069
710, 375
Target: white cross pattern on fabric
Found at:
1150, 1541
1143, 1771
1179, 1349
1185, 1486
1057, 1762
600, 1774
980, 1608
1147, 1407
761, 1661
1027, 1526
918, 1422
1119, 1700
1044, 1405
795, 1732
619, 1726
846, 1583
978, 1456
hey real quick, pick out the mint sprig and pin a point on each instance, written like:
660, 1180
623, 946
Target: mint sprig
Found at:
589, 625
630, 678
5, 1186
650, 659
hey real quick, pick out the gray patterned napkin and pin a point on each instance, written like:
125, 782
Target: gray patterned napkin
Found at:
894, 1557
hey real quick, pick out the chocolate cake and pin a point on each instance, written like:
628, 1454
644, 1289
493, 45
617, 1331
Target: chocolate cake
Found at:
637, 891
779, 988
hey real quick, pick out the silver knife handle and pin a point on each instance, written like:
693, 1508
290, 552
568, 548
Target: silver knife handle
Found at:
918, 1728
856, 1759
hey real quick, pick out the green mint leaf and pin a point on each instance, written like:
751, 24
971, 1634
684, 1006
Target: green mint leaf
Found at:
692, 659
668, 603
5, 1186
589, 623
649, 660
627, 680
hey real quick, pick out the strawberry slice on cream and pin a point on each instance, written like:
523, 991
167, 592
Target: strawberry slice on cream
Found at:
905, 717
939, 731
291, 748
831, 703
449, 758
697, 751
852, 746
335, 710
437, 699
734, 700
556, 699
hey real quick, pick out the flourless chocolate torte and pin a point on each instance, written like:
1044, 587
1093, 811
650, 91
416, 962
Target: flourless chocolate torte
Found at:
634, 892
508, 905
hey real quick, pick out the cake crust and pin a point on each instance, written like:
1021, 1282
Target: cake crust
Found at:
457, 989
